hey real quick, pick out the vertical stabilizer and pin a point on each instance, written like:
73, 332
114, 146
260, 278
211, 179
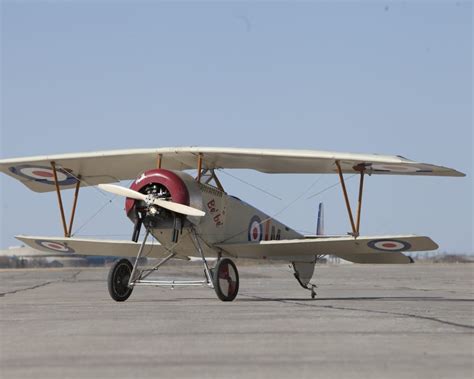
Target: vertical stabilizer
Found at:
320, 224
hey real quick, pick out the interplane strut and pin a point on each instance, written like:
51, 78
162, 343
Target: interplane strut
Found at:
67, 229
355, 225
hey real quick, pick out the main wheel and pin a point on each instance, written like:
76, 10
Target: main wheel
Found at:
226, 279
117, 281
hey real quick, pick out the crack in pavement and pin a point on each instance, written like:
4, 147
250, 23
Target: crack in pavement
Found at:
73, 277
68, 279
365, 310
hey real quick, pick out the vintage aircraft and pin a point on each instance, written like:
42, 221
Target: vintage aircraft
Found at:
195, 217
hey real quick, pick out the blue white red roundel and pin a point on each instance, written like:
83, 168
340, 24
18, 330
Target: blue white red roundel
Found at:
395, 168
255, 229
389, 245
55, 246
44, 174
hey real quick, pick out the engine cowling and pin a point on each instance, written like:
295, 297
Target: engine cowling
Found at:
163, 184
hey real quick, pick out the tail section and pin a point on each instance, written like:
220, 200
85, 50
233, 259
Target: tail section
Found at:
303, 271
320, 224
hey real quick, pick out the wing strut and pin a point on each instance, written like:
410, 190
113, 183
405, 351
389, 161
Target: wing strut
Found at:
199, 168
67, 230
355, 226
359, 206
206, 172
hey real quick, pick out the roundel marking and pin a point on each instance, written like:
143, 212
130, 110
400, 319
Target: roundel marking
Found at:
44, 174
389, 245
55, 246
255, 231
395, 168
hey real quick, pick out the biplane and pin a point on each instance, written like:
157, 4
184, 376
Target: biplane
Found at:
193, 217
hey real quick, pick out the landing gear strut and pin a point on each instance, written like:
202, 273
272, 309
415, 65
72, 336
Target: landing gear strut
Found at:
224, 277
124, 276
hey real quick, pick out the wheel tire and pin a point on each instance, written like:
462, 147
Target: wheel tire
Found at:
225, 278
118, 278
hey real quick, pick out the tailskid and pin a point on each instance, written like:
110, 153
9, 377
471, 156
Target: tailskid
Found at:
303, 272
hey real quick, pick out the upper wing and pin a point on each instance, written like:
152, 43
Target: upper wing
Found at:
386, 249
114, 166
85, 246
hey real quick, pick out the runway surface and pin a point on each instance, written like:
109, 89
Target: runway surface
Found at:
408, 321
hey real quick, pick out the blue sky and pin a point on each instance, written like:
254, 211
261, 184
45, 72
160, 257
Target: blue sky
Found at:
374, 77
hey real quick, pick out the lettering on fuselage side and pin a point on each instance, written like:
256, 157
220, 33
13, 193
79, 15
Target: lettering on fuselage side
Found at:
267, 229
215, 213
210, 190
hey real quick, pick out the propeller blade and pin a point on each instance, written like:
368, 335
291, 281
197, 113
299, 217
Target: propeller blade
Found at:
122, 191
179, 208
174, 207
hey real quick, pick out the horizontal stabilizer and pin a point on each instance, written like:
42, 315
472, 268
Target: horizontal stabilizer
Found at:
83, 246
385, 249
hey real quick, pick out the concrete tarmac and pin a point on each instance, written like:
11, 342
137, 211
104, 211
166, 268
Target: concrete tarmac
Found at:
407, 321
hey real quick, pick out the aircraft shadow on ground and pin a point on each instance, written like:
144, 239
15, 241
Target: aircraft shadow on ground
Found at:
356, 298
252, 298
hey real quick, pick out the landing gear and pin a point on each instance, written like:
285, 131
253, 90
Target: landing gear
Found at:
225, 278
313, 292
124, 276
303, 272
118, 279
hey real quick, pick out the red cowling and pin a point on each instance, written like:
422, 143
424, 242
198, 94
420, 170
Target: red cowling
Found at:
173, 183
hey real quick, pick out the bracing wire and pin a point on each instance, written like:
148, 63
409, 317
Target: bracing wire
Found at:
84, 224
108, 202
250, 184
294, 201
298, 197
78, 178
330, 187
281, 210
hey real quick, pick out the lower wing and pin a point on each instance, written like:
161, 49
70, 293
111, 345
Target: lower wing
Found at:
83, 246
384, 249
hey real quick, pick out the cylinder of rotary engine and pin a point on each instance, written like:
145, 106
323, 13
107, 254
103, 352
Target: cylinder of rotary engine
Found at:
163, 184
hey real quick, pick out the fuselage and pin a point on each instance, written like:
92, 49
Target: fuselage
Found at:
227, 220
